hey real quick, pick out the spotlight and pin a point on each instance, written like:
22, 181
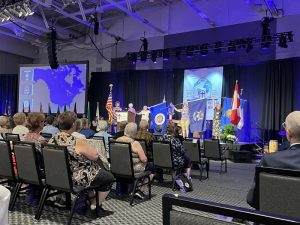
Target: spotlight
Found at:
144, 43
266, 42
231, 47
14, 12
133, 58
7, 14
22, 11
249, 45
28, 10
178, 53
143, 56
290, 36
189, 52
266, 37
204, 49
218, 47
166, 55
153, 56
282, 41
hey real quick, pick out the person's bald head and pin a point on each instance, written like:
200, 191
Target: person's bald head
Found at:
292, 127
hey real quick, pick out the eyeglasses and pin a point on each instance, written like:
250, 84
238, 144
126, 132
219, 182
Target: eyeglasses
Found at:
284, 125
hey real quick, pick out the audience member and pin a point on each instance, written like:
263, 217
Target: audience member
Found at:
139, 158
95, 122
179, 157
20, 121
178, 133
50, 128
35, 122
3, 126
102, 132
288, 159
78, 127
120, 131
158, 130
143, 134
85, 170
86, 130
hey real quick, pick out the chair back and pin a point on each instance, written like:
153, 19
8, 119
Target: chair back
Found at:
278, 191
162, 154
143, 144
99, 138
46, 135
212, 149
192, 150
27, 163
12, 137
57, 168
121, 159
6, 162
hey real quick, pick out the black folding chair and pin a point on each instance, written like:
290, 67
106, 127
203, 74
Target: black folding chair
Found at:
122, 167
58, 177
213, 151
6, 163
29, 171
12, 137
193, 151
163, 158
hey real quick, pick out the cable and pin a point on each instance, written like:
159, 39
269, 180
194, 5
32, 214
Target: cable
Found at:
24, 28
98, 49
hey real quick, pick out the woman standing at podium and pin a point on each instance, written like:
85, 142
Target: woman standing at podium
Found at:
216, 129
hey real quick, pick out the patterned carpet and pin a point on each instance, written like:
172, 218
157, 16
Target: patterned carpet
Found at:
230, 188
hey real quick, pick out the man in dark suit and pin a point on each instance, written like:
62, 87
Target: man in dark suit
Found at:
288, 159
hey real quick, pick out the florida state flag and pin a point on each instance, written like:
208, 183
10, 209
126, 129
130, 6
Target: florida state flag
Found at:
236, 104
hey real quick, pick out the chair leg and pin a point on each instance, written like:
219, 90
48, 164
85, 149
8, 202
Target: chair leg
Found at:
221, 167
149, 187
207, 169
225, 165
14, 196
201, 170
41, 203
173, 180
73, 209
133, 191
68, 201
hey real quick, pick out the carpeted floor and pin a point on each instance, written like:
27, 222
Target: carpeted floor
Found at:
230, 188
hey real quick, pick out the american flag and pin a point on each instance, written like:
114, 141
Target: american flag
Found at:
109, 108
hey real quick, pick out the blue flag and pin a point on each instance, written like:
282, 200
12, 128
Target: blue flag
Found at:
159, 115
197, 115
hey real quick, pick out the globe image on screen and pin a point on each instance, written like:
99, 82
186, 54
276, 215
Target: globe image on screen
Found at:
202, 89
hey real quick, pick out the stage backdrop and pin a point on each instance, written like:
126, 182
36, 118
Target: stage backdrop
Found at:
203, 83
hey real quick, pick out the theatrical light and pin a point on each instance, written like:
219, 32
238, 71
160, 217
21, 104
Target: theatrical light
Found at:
266, 37
178, 53
143, 56
231, 47
133, 57
22, 11
189, 52
14, 12
249, 45
166, 54
204, 49
28, 10
290, 36
282, 41
154, 56
218, 47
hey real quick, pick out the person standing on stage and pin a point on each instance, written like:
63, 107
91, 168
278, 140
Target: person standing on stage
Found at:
117, 108
216, 129
131, 113
185, 119
145, 112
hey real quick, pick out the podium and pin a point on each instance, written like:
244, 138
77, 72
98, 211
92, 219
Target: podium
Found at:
131, 117
122, 116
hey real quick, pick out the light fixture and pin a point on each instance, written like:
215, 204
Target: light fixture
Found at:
231, 47
282, 41
143, 56
178, 53
266, 36
249, 45
22, 11
14, 12
154, 56
166, 54
133, 58
189, 51
218, 47
204, 49
28, 10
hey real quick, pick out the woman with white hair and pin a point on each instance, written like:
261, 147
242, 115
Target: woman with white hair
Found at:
139, 159
20, 121
3, 126
102, 132
78, 127
185, 119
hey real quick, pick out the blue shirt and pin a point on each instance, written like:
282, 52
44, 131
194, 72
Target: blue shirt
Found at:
49, 129
87, 132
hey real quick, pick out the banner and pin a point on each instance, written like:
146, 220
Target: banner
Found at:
203, 83
159, 115
226, 112
197, 115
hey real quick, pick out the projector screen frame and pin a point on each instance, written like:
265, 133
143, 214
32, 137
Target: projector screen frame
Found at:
86, 62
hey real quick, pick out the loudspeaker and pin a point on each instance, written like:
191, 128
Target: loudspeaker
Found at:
96, 27
51, 47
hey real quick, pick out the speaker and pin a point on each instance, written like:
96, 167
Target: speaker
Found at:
51, 47
96, 27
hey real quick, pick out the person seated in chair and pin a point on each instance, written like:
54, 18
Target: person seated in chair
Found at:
102, 132
179, 157
50, 128
3, 126
20, 121
86, 130
139, 159
83, 161
143, 134
120, 129
78, 127
288, 159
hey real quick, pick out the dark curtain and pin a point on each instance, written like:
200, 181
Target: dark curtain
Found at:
141, 87
8, 92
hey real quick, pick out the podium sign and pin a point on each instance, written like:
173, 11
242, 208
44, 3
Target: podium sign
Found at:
122, 116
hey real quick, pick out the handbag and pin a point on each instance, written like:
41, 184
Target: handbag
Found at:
184, 183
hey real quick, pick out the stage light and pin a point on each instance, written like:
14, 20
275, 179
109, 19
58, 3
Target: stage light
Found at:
154, 56
143, 55
266, 42
266, 37
249, 45
28, 10
133, 58
22, 11
189, 52
166, 54
7, 14
218, 47
290, 36
282, 41
204, 49
14, 12
178, 53
231, 47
